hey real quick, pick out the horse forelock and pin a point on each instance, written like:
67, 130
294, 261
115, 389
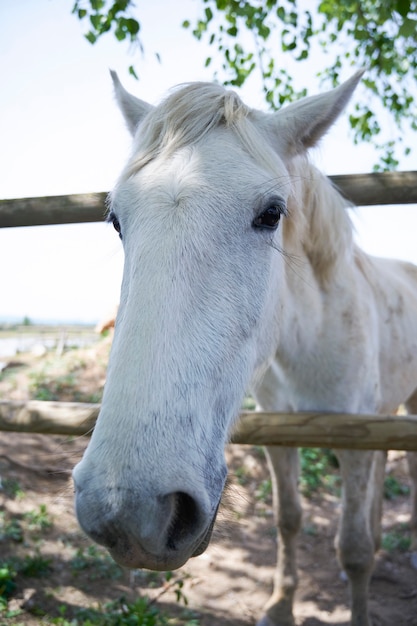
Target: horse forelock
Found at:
184, 117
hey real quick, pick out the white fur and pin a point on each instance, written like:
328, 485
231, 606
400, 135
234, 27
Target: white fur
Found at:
209, 303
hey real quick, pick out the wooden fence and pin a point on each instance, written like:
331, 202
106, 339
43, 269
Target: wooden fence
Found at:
378, 432
361, 189
360, 432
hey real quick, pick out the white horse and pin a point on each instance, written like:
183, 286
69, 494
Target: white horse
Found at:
239, 267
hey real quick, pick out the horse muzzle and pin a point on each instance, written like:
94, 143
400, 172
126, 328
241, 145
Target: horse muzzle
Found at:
143, 531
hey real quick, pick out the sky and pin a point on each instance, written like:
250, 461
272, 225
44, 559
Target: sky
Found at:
61, 133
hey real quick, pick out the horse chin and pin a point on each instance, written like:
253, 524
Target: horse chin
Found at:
137, 558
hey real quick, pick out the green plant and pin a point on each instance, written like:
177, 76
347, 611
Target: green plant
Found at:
12, 489
34, 566
38, 520
317, 465
393, 488
243, 475
264, 491
248, 404
259, 452
98, 561
121, 613
396, 539
177, 586
10, 529
39, 386
49, 387
7, 583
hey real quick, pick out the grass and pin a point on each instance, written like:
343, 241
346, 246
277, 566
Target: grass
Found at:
318, 470
75, 375
141, 612
34, 523
397, 539
7, 583
264, 492
120, 613
393, 488
97, 562
48, 386
317, 467
10, 528
11, 488
38, 520
35, 566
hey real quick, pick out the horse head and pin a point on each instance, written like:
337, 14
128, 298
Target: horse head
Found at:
202, 208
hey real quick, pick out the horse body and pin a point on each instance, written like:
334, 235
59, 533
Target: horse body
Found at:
350, 317
347, 353
239, 266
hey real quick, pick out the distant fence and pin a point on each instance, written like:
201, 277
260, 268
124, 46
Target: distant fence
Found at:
374, 432
361, 189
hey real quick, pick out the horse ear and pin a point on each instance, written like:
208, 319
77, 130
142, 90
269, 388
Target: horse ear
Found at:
133, 109
301, 125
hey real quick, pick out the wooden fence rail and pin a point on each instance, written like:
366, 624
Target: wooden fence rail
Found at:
361, 189
356, 432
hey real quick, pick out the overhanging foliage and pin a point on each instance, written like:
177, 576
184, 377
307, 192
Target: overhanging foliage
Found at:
378, 36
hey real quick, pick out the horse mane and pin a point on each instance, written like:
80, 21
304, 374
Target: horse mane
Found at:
317, 211
318, 219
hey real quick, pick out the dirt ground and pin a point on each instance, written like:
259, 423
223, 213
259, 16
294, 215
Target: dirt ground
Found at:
228, 585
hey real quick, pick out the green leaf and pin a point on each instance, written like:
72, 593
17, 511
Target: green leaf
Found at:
132, 72
209, 14
303, 56
120, 6
132, 26
96, 5
96, 20
91, 37
402, 7
408, 28
120, 34
281, 13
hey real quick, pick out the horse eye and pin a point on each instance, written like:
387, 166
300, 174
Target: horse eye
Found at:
269, 218
116, 224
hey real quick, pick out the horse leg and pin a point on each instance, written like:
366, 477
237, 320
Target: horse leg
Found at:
355, 542
411, 406
284, 467
412, 464
377, 480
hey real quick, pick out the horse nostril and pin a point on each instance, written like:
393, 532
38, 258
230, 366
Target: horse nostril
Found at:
185, 518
